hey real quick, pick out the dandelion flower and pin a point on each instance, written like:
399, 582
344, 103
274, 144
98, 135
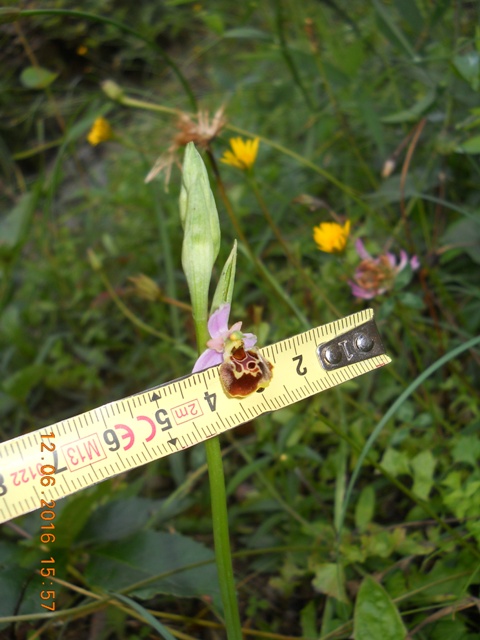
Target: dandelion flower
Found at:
375, 276
243, 153
331, 237
101, 131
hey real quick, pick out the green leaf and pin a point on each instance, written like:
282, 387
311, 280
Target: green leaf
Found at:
423, 466
201, 242
468, 66
37, 77
224, 290
15, 225
409, 11
413, 113
396, 462
411, 300
392, 32
20, 383
470, 146
376, 617
170, 561
365, 508
467, 449
146, 615
329, 579
465, 235
246, 471
247, 33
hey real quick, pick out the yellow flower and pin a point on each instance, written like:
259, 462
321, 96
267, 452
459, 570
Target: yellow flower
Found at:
243, 154
331, 237
100, 132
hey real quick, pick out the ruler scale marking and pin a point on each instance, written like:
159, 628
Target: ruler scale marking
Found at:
149, 425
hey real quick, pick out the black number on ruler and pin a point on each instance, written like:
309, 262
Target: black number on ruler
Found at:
3, 488
211, 398
111, 438
301, 372
161, 416
55, 463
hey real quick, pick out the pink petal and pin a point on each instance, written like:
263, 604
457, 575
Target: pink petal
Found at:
249, 340
414, 262
235, 327
362, 252
360, 292
391, 259
403, 260
218, 321
216, 344
208, 359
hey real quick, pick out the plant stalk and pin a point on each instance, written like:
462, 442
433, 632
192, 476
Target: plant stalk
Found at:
218, 497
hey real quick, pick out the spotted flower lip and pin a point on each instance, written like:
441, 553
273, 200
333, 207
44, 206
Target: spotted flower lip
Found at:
375, 276
221, 338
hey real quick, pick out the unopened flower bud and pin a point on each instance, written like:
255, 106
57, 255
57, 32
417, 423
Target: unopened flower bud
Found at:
112, 90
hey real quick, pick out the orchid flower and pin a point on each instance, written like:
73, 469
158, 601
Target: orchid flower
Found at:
222, 339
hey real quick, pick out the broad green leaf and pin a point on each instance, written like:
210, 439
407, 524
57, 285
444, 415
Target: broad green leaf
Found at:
467, 449
468, 66
470, 146
376, 617
411, 300
37, 77
171, 557
423, 466
465, 235
330, 580
396, 462
365, 507
214, 21
123, 517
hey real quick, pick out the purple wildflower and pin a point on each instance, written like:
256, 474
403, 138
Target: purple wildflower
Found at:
222, 338
375, 276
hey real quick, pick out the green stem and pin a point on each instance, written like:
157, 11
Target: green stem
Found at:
223, 552
218, 496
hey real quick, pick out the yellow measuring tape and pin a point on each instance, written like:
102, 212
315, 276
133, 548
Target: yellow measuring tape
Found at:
65, 457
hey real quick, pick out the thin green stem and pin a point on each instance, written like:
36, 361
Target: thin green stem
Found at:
348, 191
218, 496
223, 553
129, 314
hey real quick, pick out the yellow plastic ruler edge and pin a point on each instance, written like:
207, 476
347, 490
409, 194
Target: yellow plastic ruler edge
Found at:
93, 446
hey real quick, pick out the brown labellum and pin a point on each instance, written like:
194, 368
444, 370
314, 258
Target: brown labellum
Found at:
244, 371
